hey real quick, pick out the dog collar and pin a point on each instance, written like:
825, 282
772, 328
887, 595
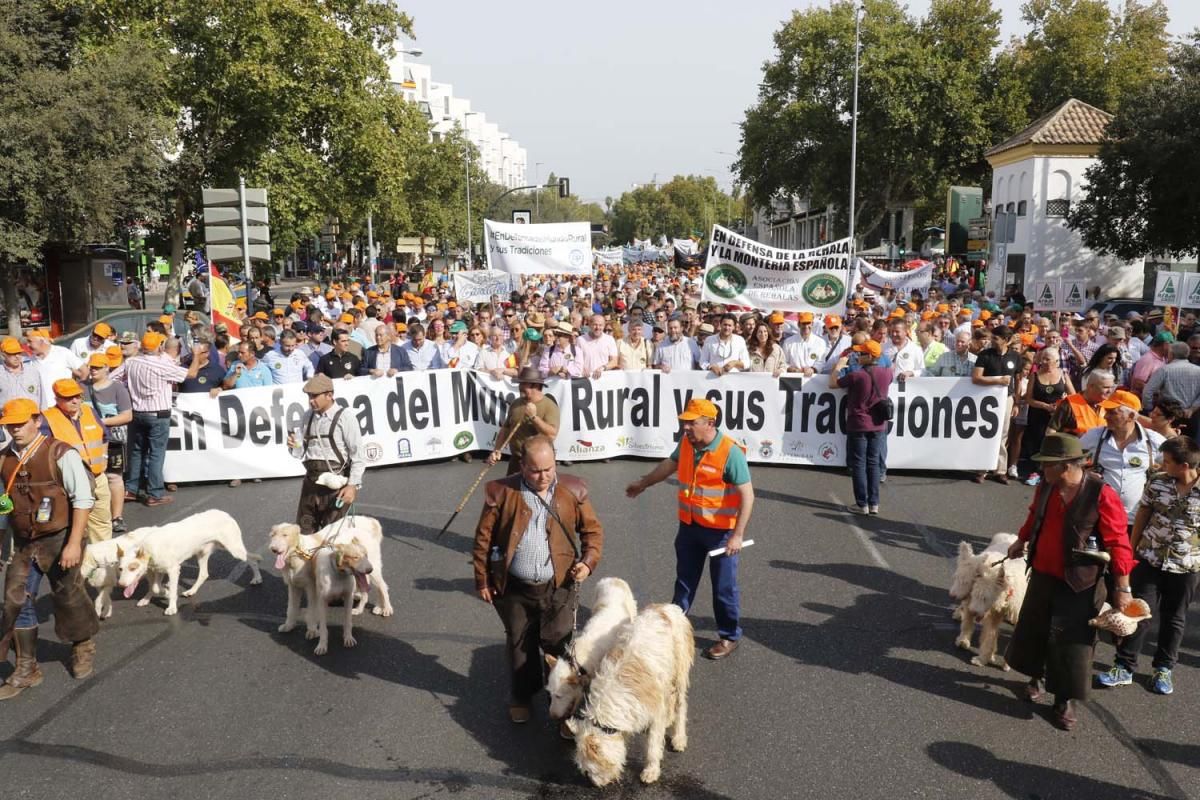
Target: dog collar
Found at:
583, 714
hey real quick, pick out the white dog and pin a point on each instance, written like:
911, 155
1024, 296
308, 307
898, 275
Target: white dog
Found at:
570, 675
293, 558
641, 685
101, 566
340, 570
164, 548
989, 589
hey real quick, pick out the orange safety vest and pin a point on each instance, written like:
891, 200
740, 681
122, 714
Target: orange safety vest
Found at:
87, 438
1086, 417
704, 496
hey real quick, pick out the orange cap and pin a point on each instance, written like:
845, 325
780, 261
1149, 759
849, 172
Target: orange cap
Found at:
1122, 399
167, 319
870, 347
102, 329
804, 318
67, 387
776, 318
97, 360
11, 346
833, 321
113, 354
260, 315
346, 319
152, 339
18, 410
699, 407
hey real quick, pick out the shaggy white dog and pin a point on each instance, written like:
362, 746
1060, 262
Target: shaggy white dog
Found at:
570, 675
990, 589
641, 685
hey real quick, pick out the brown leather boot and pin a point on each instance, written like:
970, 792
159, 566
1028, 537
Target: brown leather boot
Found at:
27, 674
83, 654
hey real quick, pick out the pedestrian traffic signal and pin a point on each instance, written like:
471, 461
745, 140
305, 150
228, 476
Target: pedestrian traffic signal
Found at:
564, 187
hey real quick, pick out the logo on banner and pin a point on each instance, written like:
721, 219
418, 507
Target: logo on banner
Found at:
373, 452
583, 447
404, 448
1193, 298
1046, 298
433, 445
463, 440
726, 280
576, 258
1074, 298
823, 291
766, 448
827, 452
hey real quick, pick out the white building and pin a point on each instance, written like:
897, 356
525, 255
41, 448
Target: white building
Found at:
501, 157
1038, 174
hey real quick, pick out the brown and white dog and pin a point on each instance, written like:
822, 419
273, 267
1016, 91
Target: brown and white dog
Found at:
570, 675
640, 685
990, 589
340, 570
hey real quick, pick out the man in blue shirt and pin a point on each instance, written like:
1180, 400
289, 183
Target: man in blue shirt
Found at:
247, 370
288, 364
211, 373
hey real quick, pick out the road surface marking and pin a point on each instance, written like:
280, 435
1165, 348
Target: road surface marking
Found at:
872, 550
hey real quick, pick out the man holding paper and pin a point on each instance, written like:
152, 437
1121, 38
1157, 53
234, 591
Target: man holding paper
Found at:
715, 500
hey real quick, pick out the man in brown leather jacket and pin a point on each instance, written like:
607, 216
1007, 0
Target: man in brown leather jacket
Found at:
537, 540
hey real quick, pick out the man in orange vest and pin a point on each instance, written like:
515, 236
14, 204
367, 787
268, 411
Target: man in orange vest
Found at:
715, 500
70, 421
1078, 413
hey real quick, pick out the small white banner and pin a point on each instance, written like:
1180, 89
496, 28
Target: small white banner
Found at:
1191, 290
608, 256
743, 272
1072, 295
1045, 295
478, 285
555, 248
905, 281
941, 423
1168, 288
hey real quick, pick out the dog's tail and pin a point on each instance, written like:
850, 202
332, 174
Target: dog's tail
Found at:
684, 642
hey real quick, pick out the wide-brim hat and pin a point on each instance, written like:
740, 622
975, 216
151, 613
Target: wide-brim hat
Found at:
531, 375
1059, 447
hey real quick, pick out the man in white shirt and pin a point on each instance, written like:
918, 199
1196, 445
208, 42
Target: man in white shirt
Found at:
54, 362
423, 353
289, 364
494, 357
676, 351
1122, 450
805, 352
725, 352
95, 342
459, 352
908, 359
837, 340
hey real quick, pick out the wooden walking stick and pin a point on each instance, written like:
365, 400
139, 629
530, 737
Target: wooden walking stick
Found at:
475, 485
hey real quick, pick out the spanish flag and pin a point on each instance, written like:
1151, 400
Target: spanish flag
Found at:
222, 304
511, 361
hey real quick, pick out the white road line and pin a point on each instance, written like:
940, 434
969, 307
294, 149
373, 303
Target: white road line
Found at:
931, 539
871, 549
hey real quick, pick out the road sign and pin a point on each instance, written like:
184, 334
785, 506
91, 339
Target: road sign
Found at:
236, 224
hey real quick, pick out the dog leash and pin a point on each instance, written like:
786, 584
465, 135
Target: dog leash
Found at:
308, 555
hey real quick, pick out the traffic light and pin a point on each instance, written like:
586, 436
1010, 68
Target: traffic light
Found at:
564, 187
903, 245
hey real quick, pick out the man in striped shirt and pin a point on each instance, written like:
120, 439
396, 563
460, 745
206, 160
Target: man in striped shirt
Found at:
149, 377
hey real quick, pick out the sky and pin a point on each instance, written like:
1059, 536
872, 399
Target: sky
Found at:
623, 93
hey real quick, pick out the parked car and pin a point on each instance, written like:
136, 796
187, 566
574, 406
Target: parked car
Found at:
120, 322
1120, 306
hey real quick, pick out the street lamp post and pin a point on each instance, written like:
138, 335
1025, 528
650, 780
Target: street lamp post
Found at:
467, 161
537, 197
858, 9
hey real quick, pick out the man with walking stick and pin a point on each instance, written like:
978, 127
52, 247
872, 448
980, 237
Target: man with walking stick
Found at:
530, 414
537, 540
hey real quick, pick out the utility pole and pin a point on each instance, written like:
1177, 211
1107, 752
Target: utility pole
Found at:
370, 247
858, 9
537, 197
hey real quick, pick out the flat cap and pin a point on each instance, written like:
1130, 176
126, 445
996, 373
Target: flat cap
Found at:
318, 384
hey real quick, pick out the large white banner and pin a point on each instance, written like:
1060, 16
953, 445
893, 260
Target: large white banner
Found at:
941, 423
478, 285
905, 281
743, 272
553, 248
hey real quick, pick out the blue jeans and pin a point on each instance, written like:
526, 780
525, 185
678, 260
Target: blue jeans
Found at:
148, 435
865, 462
28, 617
692, 544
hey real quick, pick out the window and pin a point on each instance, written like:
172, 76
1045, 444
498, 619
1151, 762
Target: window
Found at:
1010, 207
1058, 208
1021, 206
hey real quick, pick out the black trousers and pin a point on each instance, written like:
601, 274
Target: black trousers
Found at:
1168, 594
538, 618
317, 507
1052, 637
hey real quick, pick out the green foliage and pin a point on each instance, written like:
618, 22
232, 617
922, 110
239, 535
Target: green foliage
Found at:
684, 206
1141, 196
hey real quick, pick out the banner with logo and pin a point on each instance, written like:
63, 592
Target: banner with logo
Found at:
940, 423
608, 256
1072, 295
1191, 290
904, 282
553, 248
478, 285
1168, 288
1045, 295
742, 272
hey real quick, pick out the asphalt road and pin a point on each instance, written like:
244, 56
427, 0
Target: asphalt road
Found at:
847, 683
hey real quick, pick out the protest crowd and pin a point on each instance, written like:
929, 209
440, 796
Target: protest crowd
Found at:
1126, 389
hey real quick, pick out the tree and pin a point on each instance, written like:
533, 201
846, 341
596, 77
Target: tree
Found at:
82, 136
292, 95
1141, 193
684, 206
928, 107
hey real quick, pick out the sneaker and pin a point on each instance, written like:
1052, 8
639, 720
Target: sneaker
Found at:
1033, 480
119, 525
1117, 676
873, 509
1012, 472
1161, 683
856, 509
